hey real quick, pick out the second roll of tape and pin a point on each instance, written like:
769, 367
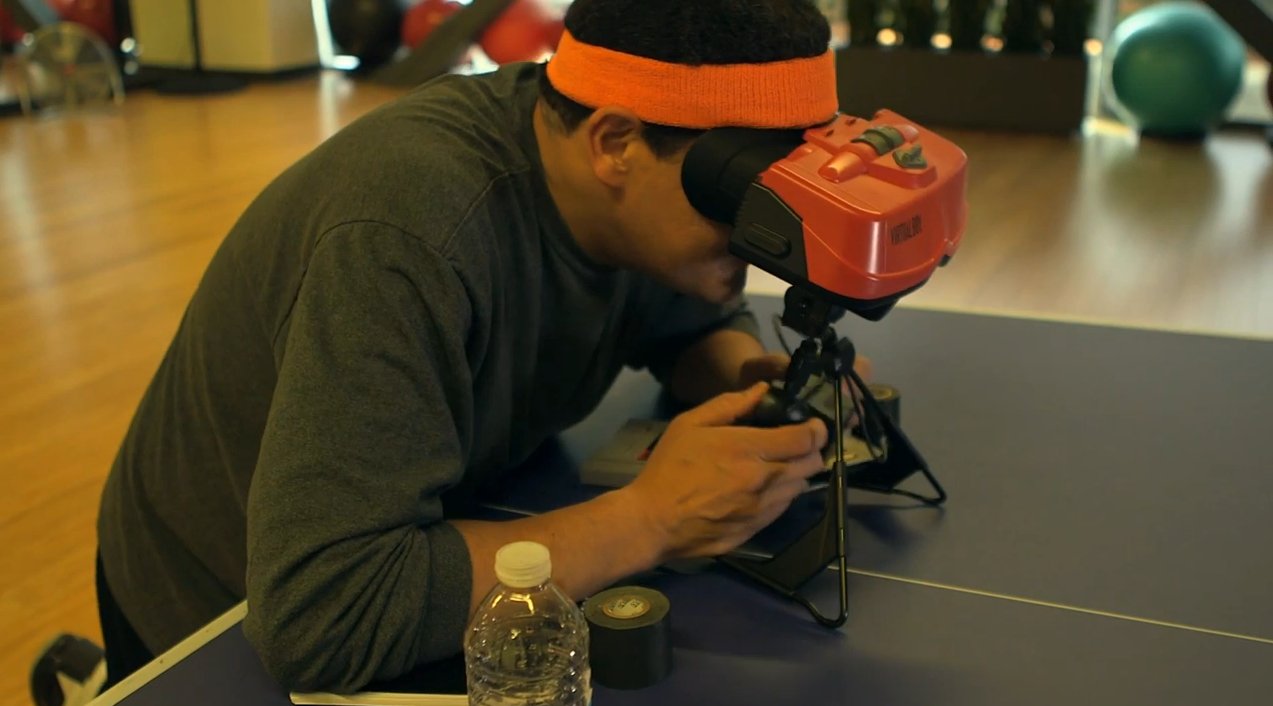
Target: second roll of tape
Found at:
630, 631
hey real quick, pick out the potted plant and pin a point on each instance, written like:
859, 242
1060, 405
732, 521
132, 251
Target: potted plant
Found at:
864, 22
967, 23
1071, 22
920, 18
1022, 27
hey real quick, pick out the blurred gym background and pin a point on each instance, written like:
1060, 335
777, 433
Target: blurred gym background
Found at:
1120, 174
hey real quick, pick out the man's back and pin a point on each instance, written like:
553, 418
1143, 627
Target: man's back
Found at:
409, 311
402, 314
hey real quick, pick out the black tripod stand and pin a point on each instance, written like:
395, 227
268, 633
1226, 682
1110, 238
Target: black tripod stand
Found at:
893, 458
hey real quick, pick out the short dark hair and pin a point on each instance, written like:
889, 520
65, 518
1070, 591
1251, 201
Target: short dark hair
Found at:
692, 32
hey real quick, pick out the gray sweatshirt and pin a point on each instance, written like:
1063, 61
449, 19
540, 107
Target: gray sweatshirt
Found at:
398, 319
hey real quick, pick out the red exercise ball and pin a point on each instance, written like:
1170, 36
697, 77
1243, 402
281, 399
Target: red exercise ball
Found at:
517, 34
10, 32
425, 17
97, 15
552, 33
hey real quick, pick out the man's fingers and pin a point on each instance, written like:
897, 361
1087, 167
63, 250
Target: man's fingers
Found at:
797, 470
789, 441
862, 366
808, 466
725, 409
800, 469
776, 501
769, 367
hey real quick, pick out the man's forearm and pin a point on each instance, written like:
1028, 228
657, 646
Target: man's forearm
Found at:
596, 543
592, 544
711, 365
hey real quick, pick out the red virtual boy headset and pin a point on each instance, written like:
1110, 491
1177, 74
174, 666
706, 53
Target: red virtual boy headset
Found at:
857, 212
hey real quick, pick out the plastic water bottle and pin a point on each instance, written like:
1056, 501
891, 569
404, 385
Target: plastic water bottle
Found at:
528, 643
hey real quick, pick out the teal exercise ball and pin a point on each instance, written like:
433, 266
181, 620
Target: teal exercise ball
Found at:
1176, 67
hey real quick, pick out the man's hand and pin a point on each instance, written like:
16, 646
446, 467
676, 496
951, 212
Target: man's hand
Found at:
709, 486
773, 366
765, 368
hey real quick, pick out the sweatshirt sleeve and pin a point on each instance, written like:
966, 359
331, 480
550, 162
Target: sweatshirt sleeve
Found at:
676, 321
352, 575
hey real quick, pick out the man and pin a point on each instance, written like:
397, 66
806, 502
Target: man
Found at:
417, 305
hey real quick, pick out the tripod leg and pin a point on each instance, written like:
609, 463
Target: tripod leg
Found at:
820, 545
900, 460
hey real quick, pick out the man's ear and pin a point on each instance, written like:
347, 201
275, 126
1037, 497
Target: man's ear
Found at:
614, 144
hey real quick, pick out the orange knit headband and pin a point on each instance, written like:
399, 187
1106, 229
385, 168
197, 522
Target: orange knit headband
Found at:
794, 93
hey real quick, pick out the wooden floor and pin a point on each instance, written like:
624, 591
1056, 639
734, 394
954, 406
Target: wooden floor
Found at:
107, 220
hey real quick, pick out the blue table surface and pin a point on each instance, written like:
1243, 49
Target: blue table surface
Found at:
904, 644
1121, 470
1124, 475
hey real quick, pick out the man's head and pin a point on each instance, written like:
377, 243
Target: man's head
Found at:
620, 175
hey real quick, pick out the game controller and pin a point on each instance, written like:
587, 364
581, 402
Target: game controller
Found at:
777, 408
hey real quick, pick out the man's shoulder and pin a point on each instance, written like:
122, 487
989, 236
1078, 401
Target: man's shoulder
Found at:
426, 163
453, 128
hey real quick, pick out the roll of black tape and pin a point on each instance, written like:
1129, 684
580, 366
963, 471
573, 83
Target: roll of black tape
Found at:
890, 401
630, 631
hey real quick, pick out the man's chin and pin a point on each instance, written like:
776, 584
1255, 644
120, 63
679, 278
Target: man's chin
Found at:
725, 292
717, 289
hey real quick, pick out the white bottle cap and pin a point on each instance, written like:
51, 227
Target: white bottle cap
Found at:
523, 564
